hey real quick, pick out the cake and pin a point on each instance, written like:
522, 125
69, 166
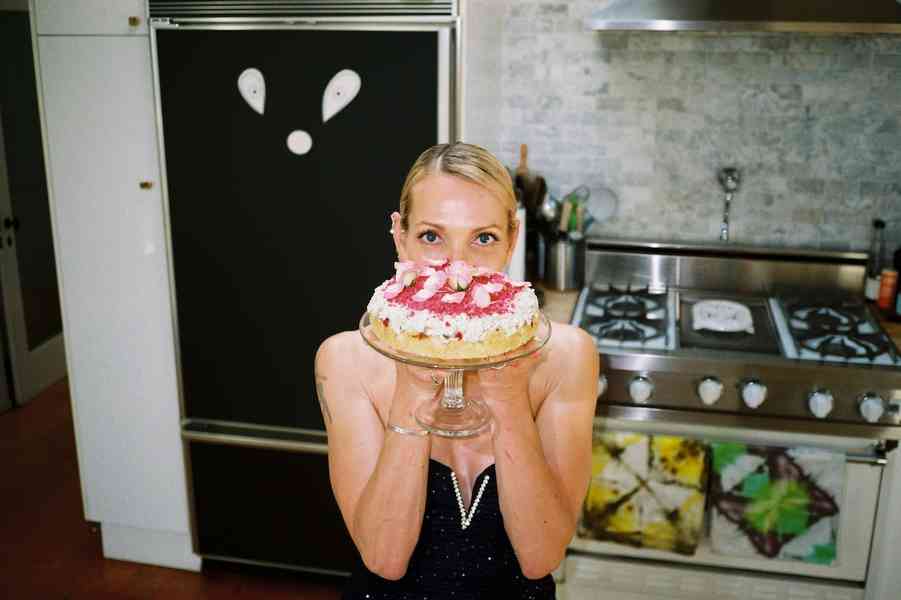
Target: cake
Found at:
452, 310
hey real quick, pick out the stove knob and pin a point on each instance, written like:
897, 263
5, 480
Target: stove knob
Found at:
872, 407
820, 403
710, 390
753, 393
640, 389
602, 385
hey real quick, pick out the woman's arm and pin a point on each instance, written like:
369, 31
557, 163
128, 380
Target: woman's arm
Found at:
378, 476
543, 464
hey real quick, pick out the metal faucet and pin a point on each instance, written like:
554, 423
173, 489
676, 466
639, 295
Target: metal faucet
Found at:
729, 179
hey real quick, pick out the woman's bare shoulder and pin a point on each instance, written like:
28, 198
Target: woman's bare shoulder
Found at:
570, 343
346, 352
571, 356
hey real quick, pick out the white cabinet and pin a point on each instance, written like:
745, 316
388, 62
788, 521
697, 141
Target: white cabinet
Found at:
110, 247
87, 17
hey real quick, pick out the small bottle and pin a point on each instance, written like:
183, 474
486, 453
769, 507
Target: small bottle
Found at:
874, 263
895, 313
888, 289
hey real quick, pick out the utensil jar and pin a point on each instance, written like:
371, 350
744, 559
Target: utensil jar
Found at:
565, 264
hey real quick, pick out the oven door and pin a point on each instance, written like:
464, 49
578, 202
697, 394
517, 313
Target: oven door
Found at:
590, 562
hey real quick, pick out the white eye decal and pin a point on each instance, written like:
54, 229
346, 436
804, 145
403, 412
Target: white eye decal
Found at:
253, 89
299, 141
339, 92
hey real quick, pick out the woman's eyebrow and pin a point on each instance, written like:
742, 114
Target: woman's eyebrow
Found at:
432, 225
487, 227
442, 227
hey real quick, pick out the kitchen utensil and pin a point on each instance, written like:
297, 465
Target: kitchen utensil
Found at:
602, 205
565, 211
579, 195
565, 266
524, 179
550, 208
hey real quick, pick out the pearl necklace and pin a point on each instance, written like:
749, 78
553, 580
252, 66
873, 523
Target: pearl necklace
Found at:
465, 519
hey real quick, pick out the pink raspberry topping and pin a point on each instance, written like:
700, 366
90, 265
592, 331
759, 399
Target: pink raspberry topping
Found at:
452, 288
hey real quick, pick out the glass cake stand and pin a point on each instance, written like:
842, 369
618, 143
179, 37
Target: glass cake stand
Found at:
455, 416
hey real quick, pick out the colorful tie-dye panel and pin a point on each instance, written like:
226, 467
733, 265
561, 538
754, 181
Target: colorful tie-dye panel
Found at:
646, 491
780, 503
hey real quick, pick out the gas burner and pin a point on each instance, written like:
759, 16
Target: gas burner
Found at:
625, 329
845, 346
626, 303
823, 318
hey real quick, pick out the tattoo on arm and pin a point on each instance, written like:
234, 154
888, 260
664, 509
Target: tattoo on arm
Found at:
323, 404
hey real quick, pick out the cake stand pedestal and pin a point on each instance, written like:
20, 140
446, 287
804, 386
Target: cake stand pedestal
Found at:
453, 415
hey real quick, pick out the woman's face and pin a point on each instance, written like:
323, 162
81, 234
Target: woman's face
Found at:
454, 219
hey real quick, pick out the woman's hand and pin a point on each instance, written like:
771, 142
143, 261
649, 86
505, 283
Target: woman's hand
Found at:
414, 386
507, 387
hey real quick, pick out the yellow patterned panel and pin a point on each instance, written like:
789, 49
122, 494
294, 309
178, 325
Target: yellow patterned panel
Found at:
679, 459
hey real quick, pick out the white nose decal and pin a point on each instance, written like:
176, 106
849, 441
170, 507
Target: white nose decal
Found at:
299, 142
339, 92
252, 86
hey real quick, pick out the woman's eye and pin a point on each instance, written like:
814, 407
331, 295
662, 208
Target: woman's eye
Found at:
486, 238
430, 237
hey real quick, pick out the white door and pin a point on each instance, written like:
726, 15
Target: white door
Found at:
104, 173
30, 294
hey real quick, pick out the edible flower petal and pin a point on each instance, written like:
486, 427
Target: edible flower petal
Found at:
459, 275
393, 290
493, 288
435, 281
481, 296
424, 294
453, 298
406, 272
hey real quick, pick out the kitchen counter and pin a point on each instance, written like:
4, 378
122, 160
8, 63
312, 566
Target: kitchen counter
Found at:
893, 329
558, 306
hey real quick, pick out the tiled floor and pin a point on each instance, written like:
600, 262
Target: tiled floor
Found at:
49, 552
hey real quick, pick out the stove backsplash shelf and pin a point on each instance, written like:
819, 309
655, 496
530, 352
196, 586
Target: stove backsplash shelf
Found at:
722, 268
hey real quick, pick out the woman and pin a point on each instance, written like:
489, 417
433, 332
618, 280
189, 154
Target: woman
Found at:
395, 485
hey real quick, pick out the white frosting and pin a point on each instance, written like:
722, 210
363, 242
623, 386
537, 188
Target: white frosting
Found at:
444, 327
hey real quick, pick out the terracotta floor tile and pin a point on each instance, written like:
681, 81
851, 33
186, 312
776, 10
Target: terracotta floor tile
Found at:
49, 552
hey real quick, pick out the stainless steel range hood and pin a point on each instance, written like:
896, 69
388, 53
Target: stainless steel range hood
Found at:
810, 16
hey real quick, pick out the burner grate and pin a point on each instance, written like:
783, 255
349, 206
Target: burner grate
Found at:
820, 317
837, 331
626, 329
847, 346
626, 315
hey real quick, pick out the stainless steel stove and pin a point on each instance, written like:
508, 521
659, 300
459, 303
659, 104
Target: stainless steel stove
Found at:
741, 337
751, 347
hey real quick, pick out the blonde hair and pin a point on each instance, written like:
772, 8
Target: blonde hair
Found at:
467, 161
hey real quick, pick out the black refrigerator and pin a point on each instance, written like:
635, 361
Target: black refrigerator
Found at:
285, 146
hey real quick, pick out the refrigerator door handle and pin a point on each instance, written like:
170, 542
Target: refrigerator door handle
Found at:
255, 436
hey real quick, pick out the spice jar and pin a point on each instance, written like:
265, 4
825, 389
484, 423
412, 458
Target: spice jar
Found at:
888, 288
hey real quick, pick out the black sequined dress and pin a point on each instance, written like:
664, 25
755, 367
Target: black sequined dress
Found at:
452, 563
